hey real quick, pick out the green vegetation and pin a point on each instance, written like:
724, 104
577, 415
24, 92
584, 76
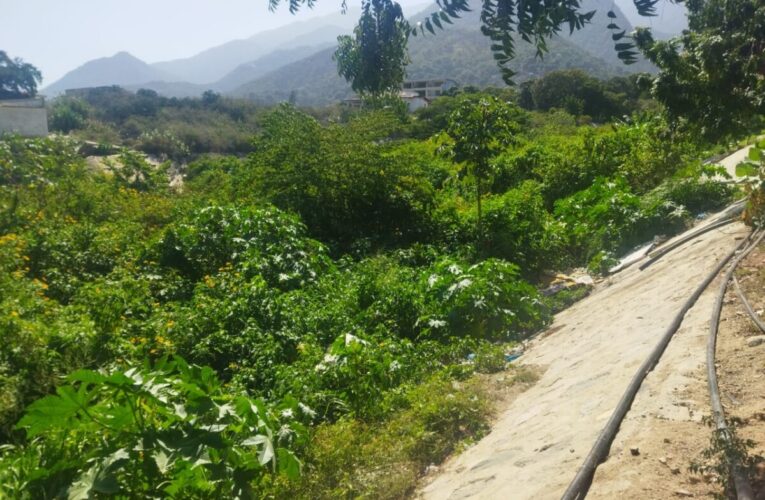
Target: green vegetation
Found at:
315, 319
166, 127
371, 59
726, 449
17, 78
711, 78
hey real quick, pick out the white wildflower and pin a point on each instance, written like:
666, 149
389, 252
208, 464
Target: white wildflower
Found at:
464, 283
283, 277
350, 338
479, 304
330, 359
436, 323
455, 269
395, 365
432, 280
306, 410
288, 413
284, 432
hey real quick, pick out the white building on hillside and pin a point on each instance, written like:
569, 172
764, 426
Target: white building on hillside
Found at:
415, 93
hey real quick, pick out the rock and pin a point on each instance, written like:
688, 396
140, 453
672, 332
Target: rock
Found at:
675, 470
694, 480
546, 447
635, 451
663, 461
431, 469
756, 340
683, 493
666, 440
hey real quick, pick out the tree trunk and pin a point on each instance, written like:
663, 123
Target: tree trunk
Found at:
480, 215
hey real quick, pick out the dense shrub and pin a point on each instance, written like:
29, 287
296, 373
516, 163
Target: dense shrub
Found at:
68, 114
265, 242
518, 228
143, 432
487, 300
695, 194
342, 180
608, 217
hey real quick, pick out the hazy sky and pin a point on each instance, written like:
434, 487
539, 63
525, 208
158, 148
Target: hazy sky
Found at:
59, 35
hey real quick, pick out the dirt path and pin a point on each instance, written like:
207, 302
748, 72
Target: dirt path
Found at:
589, 354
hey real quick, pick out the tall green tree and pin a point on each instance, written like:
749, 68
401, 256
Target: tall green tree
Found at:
712, 78
17, 78
374, 58
480, 128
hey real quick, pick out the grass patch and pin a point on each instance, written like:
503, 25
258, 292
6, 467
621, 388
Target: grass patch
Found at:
352, 458
566, 298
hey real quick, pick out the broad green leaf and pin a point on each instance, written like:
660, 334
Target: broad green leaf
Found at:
86, 376
162, 460
755, 154
746, 169
81, 488
267, 452
289, 465
50, 412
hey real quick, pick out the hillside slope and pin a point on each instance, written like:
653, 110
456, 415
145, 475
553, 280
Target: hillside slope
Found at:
590, 353
120, 69
461, 53
213, 64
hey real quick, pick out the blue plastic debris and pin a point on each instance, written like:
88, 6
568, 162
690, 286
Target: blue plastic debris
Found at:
511, 357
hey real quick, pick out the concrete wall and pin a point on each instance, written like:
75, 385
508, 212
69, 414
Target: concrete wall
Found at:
29, 121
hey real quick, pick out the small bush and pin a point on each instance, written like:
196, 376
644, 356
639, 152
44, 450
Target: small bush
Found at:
517, 228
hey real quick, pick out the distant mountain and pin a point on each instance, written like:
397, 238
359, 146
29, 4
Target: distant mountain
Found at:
460, 52
213, 64
271, 65
255, 69
120, 69
596, 39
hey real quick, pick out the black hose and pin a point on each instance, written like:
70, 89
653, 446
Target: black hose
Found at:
755, 317
662, 251
599, 452
740, 481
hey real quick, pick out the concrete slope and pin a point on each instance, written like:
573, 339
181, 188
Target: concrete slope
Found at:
589, 354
